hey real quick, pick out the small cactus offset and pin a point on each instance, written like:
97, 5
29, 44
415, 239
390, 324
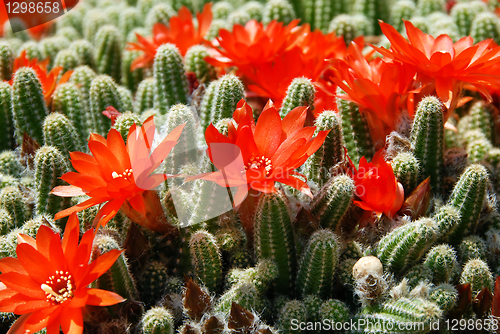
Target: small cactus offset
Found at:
118, 278
145, 95
124, 122
407, 244
444, 295
131, 79
6, 121
464, 13
103, 93
228, 92
6, 61
335, 310
67, 59
319, 263
447, 221
301, 92
481, 118
59, 132
84, 51
50, 165
472, 247
12, 201
194, 62
332, 201
355, 130
68, 100
50, 47
153, 282
126, 99
407, 170
478, 274
401, 10
206, 259
6, 222
171, 81
293, 310
10, 164
485, 26
280, 10
427, 139
374, 10
157, 320
28, 105
467, 196
274, 238
108, 52
317, 167
442, 260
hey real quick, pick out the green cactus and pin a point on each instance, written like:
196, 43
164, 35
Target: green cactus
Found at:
426, 7
69, 33
28, 105
401, 10
153, 282
67, 59
72, 19
216, 25
301, 92
130, 18
244, 294
484, 26
417, 274
6, 222
144, 97
464, 13
478, 149
478, 274
332, 201
103, 93
313, 304
317, 167
254, 10
206, 259
467, 197
238, 17
32, 50
157, 320
7, 140
444, 295
50, 47
126, 99
124, 122
346, 25
279, 10
293, 310
118, 279
10, 164
193, 62
82, 77
318, 264
228, 92
15, 44
481, 119
421, 23
15, 24
442, 260
160, 13
108, 52
407, 170
441, 23
12, 201
68, 100
131, 79
274, 238
84, 51
50, 165
335, 310
427, 139
221, 10
355, 130
171, 82
319, 13
373, 10
93, 21
407, 244
6, 61
472, 247
60, 132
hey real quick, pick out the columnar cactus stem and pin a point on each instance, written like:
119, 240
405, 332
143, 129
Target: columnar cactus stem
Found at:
6, 222
50, 47
130, 18
32, 50
82, 77
108, 51
28, 105
145, 95
229, 91
478, 274
442, 260
280, 10
193, 62
319, 13
126, 99
50, 165
464, 13
374, 10
67, 59
171, 80
318, 265
85, 52
160, 13
401, 10
131, 79
426, 7
472, 247
6, 61
68, 100
407, 170
124, 122
301, 92
9, 164
59, 132
69, 33
334, 309
6, 121
274, 238
481, 119
103, 94
93, 21
427, 139
444, 295
347, 26
293, 310
11, 200
484, 26
153, 282
157, 320
206, 259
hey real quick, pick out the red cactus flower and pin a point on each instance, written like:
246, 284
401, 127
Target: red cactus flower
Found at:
181, 32
377, 186
120, 175
48, 282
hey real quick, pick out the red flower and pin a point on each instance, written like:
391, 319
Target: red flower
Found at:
257, 156
443, 64
48, 282
119, 175
181, 32
377, 186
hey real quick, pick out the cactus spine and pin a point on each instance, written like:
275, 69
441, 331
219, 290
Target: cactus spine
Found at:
274, 238
103, 93
6, 121
6, 61
481, 119
50, 47
472, 247
82, 77
228, 92
478, 274
427, 139
153, 282
374, 10
318, 264
157, 320
442, 260
301, 92
171, 80
124, 122
401, 10
463, 13
9, 164
108, 51
67, 59
206, 259
484, 26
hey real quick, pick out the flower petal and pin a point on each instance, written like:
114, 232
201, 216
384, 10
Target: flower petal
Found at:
100, 297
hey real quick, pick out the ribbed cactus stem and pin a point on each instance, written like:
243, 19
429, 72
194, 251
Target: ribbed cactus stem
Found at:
228, 92
407, 244
221, 10
444, 295
67, 59
118, 279
68, 100
374, 10
145, 95
427, 139
464, 13
10, 164
401, 10
332, 201
319, 263
301, 92
481, 118
32, 50
484, 26
442, 260
171, 81
6, 61
82, 76
346, 25
126, 99
124, 122
131, 79
11, 200
206, 259
160, 13
319, 13
103, 93
130, 18
478, 274
59, 132
84, 51
274, 238
426, 7
194, 62
108, 51
280, 10
334, 309
472, 247
69, 33
467, 196
50, 47
28, 105
94, 20
292, 310
407, 170
157, 320
50, 165
153, 282
6, 222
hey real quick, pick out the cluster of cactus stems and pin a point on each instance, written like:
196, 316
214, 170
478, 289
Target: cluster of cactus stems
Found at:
282, 257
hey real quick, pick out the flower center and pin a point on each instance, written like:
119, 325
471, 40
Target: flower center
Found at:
259, 162
59, 287
127, 174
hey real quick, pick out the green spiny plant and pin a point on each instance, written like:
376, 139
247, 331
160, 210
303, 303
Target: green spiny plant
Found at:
69, 33
301, 92
67, 59
124, 122
59, 132
216, 25
373, 10
73, 19
292, 310
194, 62
318, 264
472, 247
108, 52
463, 13
401, 10
68, 100
130, 18
228, 92
92, 22
442, 260
440, 23
28, 105
478, 149
153, 282
407, 170
319, 13
50, 165
444, 295
238, 17
426, 7
145, 95
478, 274
332, 201
221, 10
160, 13
280, 10
448, 220
254, 10
206, 259
427, 139
171, 81
484, 26
10, 164
131, 79
31, 49
50, 47
126, 99
157, 320
6, 121
245, 294
335, 310
103, 93
85, 52
345, 25
82, 77
6, 61
12, 201
6, 222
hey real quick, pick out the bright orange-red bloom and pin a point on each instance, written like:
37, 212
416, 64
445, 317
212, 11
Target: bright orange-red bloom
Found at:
181, 32
377, 186
258, 155
48, 80
444, 64
48, 282
119, 174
